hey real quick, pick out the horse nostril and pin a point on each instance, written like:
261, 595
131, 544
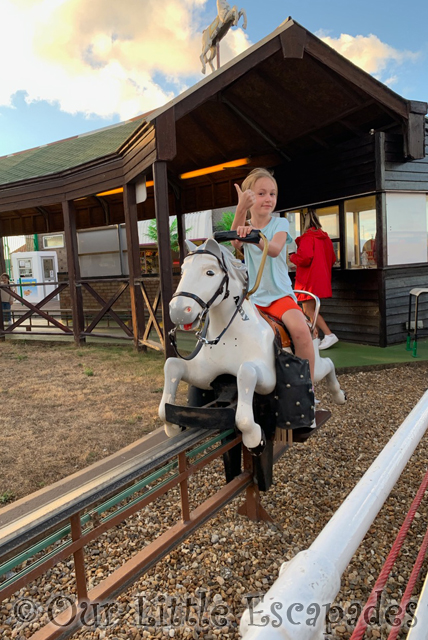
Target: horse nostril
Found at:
188, 309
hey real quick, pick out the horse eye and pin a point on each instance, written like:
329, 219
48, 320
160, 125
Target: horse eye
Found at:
210, 273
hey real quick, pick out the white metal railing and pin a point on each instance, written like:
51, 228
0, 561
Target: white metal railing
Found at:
419, 631
311, 580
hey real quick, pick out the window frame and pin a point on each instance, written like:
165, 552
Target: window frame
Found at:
54, 235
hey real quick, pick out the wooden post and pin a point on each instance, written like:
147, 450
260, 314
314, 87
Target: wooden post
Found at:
2, 270
164, 246
2, 338
2, 258
70, 236
252, 507
137, 300
381, 262
79, 559
342, 235
181, 230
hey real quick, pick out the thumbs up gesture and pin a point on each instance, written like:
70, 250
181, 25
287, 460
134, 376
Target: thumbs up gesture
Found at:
246, 199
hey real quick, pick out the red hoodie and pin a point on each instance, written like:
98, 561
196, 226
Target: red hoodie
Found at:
314, 259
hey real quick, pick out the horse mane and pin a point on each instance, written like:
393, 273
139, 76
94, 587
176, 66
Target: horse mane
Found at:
235, 267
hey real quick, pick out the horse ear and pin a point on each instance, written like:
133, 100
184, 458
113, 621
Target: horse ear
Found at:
191, 246
213, 246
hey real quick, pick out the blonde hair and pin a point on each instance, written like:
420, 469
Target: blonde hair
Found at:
252, 178
255, 175
312, 220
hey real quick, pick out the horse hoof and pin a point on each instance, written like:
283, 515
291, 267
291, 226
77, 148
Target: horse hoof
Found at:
257, 451
172, 430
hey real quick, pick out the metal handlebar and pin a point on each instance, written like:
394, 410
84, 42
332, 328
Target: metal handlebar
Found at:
317, 307
225, 236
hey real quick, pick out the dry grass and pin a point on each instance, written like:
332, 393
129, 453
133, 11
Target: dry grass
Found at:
63, 408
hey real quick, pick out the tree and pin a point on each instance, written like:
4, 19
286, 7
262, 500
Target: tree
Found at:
152, 232
226, 221
225, 224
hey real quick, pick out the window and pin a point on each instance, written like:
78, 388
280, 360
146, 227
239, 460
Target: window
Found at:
360, 217
149, 260
406, 228
53, 242
329, 218
293, 218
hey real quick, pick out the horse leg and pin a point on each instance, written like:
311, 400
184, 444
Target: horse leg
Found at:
244, 15
174, 370
324, 368
338, 395
213, 51
202, 59
233, 15
252, 435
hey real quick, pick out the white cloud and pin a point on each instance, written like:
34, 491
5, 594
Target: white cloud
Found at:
369, 53
103, 57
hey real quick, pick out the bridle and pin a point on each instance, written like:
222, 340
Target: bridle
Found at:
205, 306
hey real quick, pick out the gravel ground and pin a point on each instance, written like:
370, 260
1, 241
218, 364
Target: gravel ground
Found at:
231, 558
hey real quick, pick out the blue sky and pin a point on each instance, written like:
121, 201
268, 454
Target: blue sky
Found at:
72, 66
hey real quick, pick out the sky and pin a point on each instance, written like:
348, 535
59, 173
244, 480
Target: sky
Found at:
73, 66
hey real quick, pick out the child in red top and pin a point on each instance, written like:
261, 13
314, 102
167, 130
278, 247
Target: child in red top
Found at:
314, 259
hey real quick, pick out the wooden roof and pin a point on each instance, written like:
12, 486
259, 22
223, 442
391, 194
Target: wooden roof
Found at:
287, 97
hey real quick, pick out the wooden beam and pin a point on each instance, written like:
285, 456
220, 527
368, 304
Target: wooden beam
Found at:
381, 231
344, 87
380, 160
181, 229
2, 258
166, 139
206, 133
133, 244
256, 128
366, 83
325, 123
225, 76
164, 247
105, 207
284, 95
342, 235
45, 215
70, 236
293, 42
414, 139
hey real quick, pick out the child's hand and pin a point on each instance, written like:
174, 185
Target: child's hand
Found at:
244, 231
246, 199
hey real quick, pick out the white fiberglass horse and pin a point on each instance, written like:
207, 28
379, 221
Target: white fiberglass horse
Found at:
227, 17
238, 340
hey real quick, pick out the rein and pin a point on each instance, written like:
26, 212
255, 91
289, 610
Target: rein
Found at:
203, 316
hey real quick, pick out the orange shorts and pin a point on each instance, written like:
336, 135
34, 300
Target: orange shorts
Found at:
279, 307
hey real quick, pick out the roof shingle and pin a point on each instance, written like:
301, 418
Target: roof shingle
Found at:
65, 154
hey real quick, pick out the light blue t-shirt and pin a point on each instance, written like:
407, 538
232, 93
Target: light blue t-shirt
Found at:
275, 282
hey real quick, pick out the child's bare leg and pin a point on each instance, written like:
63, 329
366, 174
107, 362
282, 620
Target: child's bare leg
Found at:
295, 322
309, 309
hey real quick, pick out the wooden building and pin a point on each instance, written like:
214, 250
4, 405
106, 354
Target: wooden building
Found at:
336, 138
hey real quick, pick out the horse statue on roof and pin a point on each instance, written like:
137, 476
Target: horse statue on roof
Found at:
238, 341
227, 17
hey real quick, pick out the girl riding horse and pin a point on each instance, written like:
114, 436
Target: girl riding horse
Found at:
257, 199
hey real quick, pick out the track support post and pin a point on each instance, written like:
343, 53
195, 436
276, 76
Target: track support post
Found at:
252, 507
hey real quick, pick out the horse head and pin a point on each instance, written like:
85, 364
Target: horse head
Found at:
209, 275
